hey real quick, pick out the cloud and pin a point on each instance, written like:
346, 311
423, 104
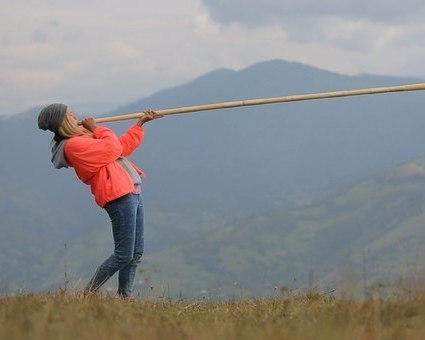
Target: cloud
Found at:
267, 12
42, 34
114, 52
81, 51
359, 26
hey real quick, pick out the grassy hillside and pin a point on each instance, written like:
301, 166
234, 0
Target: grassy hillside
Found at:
372, 231
308, 316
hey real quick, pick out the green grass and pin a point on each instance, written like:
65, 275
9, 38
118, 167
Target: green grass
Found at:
307, 316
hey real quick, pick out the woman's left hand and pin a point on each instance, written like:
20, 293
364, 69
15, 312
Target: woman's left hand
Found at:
148, 116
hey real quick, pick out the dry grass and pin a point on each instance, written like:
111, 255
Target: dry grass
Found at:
311, 316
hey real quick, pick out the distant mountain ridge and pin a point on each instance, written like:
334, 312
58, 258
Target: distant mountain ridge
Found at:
265, 79
304, 135
208, 168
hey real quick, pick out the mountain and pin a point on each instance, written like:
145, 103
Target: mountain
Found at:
370, 232
284, 152
204, 169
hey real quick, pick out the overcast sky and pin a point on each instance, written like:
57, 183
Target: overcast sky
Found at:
99, 53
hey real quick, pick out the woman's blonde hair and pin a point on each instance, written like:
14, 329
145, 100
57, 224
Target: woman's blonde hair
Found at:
68, 129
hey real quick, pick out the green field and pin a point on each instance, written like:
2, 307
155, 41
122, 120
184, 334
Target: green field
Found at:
307, 316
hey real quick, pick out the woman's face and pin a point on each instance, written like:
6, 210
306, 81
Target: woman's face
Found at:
71, 116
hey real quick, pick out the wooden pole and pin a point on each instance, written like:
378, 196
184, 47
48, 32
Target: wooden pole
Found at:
272, 100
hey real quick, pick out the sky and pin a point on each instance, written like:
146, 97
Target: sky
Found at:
96, 55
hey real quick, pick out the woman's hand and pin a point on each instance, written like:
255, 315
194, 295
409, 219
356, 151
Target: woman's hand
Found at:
89, 124
148, 116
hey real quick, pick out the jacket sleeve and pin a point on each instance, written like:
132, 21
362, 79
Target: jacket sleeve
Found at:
93, 153
131, 139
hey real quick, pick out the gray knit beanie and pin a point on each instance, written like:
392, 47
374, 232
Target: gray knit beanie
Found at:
51, 117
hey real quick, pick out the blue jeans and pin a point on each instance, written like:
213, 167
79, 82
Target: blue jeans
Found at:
127, 218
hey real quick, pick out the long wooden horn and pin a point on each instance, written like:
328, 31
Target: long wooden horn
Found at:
272, 100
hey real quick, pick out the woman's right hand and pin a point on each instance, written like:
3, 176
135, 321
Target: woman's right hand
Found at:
89, 123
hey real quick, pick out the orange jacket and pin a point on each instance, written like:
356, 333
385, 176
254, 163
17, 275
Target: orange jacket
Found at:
95, 161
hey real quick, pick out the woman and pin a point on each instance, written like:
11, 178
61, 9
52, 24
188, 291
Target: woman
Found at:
98, 157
